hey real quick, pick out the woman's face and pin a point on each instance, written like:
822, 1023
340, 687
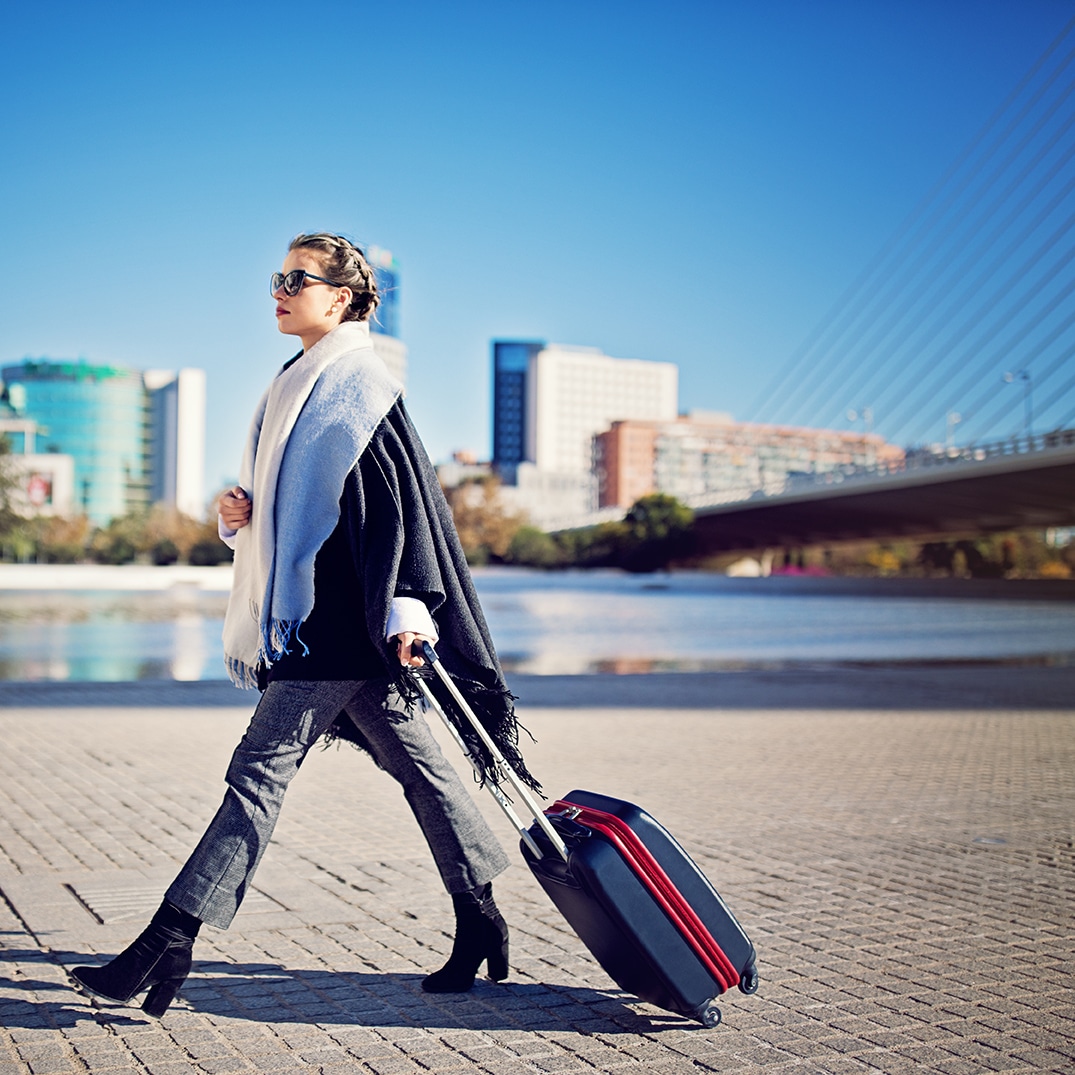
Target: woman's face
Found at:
316, 309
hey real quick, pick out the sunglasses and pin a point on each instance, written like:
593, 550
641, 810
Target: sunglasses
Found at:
294, 281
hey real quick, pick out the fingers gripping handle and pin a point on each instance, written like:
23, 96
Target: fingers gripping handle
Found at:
422, 648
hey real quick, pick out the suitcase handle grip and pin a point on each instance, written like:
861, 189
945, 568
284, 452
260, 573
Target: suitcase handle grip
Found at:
421, 648
567, 826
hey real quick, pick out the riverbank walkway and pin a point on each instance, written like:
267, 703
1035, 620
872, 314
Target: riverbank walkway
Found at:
902, 861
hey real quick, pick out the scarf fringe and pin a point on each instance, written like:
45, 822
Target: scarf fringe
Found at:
493, 709
241, 674
277, 637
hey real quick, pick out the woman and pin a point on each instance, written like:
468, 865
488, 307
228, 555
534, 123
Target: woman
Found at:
345, 554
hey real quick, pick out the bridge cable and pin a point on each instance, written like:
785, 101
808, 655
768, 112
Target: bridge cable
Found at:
967, 414
975, 321
914, 372
770, 398
850, 309
870, 375
936, 242
1057, 395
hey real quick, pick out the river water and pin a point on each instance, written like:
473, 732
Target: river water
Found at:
567, 623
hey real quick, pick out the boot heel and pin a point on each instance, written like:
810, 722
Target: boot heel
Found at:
160, 996
481, 936
159, 957
497, 963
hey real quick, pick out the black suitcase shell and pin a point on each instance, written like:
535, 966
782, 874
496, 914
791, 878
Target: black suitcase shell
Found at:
609, 906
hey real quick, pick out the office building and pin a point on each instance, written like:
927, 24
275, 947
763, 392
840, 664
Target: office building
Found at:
386, 273
709, 458
177, 439
511, 369
385, 325
133, 438
577, 392
549, 401
44, 481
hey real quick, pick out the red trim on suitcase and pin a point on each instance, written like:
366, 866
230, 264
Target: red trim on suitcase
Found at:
660, 886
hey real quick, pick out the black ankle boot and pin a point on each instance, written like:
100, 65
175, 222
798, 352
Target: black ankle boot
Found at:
480, 934
158, 960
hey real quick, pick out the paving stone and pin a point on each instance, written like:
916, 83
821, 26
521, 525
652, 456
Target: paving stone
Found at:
860, 884
217, 1065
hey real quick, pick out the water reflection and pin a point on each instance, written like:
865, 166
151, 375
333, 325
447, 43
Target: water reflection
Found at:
572, 623
560, 624
109, 637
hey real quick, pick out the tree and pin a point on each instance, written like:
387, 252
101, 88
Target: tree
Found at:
169, 535
120, 541
60, 540
208, 550
593, 546
531, 547
484, 523
12, 522
658, 530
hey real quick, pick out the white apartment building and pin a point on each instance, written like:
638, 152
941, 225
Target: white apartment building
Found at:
575, 393
550, 400
177, 444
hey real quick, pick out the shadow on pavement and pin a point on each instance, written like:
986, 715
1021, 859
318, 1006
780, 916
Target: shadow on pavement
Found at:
271, 993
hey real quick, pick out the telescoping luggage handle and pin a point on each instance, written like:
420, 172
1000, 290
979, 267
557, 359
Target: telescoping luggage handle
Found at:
503, 769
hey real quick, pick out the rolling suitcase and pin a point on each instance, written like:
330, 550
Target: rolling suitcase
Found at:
634, 897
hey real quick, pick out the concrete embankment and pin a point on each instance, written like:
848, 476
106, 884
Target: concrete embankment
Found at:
807, 687
218, 580
107, 577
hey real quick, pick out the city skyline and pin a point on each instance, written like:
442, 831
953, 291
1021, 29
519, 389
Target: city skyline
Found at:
696, 187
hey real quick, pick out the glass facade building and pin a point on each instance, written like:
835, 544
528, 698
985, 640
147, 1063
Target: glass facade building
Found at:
511, 362
96, 414
386, 273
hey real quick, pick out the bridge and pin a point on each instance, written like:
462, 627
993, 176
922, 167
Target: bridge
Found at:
956, 343
1020, 482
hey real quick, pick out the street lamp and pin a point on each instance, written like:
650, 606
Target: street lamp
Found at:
952, 419
1028, 398
866, 414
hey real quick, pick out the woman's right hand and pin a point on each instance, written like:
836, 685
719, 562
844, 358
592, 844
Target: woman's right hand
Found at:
234, 507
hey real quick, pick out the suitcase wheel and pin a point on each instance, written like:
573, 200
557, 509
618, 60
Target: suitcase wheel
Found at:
708, 1014
748, 983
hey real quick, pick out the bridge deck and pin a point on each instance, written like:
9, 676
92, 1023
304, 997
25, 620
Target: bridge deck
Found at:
969, 495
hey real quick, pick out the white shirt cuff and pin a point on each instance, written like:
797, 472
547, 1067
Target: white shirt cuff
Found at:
227, 535
410, 614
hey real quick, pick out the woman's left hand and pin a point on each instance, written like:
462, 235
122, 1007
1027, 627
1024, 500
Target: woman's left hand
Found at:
406, 658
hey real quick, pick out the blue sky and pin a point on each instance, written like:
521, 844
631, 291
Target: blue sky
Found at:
692, 182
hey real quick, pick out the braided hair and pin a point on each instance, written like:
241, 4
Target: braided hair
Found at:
346, 266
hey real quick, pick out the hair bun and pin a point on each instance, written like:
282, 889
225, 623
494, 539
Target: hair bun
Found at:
345, 264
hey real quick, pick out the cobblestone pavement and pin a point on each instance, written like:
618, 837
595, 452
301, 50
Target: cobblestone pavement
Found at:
906, 876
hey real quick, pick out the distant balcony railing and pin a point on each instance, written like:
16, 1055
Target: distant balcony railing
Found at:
915, 459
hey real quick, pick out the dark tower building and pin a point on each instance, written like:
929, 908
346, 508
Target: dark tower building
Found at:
511, 360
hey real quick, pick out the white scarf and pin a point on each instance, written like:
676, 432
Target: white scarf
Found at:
309, 430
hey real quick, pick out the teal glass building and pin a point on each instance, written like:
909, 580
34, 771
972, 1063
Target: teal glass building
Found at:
100, 416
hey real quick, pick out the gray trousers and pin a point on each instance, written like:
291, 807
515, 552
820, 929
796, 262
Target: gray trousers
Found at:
290, 718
